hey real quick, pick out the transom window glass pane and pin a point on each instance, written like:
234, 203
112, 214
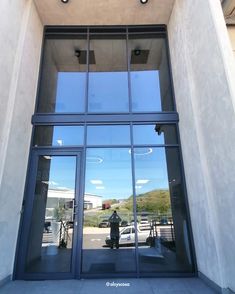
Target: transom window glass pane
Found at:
150, 82
63, 81
154, 134
108, 135
108, 78
58, 136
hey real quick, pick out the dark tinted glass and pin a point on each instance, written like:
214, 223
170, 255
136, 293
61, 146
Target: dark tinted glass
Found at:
161, 211
150, 82
154, 134
63, 80
58, 136
108, 78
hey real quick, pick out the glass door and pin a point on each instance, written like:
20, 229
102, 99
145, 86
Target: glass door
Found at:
51, 226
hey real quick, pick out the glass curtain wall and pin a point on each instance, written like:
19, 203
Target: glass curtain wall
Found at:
108, 92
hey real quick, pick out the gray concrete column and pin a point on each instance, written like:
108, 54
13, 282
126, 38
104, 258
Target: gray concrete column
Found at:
21, 38
203, 74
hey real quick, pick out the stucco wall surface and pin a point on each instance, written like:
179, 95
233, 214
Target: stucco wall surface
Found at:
203, 74
20, 36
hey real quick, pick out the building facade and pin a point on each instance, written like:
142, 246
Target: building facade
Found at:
117, 106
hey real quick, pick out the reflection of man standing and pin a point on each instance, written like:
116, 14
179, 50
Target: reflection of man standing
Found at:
114, 229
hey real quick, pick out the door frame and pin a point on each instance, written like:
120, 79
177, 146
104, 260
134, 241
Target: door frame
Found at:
27, 210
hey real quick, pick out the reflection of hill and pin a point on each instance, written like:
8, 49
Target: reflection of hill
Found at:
153, 201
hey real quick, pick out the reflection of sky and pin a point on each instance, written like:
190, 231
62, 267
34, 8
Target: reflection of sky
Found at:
62, 172
108, 91
106, 135
145, 90
70, 95
68, 135
114, 176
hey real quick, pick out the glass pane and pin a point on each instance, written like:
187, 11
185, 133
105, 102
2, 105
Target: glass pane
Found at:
162, 230
150, 79
63, 80
51, 232
58, 136
108, 240
108, 135
154, 134
108, 78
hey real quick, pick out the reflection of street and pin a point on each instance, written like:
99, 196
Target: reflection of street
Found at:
94, 238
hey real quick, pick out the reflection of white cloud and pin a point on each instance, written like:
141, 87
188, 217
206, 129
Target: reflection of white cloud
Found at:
100, 187
141, 151
60, 142
51, 183
62, 188
94, 159
47, 157
142, 181
96, 182
138, 187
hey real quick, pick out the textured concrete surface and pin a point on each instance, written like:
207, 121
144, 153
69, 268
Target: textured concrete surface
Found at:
203, 75
103, 12
130, 286
21, 45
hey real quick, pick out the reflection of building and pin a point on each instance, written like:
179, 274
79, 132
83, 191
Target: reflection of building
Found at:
92, 201
203, 75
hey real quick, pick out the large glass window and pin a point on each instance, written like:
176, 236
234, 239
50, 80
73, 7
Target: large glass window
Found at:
106, 94
108, 78
108, 188
51, 231
63, 78
149, 74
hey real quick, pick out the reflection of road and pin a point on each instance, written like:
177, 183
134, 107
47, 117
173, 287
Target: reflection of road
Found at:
94, 238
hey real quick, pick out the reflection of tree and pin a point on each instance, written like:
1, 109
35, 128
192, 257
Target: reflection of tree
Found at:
153, 201
59, 211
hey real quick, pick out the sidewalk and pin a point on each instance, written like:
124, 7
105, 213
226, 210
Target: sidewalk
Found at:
98, 286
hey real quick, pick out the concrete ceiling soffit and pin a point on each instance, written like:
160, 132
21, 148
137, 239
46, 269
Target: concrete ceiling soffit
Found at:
229, 11
104, 12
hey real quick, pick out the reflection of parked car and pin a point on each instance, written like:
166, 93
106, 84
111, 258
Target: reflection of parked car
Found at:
124, 223
69, 224
164, 221
127, 236
104, 224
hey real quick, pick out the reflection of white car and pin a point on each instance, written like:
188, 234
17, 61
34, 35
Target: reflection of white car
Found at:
127, 236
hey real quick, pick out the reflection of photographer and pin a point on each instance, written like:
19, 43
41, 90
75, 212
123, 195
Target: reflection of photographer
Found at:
114, 229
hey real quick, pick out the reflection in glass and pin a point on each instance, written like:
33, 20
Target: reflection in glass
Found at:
154, 134
108, 79
150, 80
161, 211
51, 232
108, 187
58, 136
63, 79
108, 135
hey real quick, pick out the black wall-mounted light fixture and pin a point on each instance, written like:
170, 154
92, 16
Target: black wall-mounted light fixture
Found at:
143, 1
77, 53
137, 52
158, 129
64, 1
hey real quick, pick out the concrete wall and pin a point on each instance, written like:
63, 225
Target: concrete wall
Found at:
203, 74
20, 38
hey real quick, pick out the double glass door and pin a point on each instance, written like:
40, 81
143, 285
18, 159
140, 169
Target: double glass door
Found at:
51, 226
